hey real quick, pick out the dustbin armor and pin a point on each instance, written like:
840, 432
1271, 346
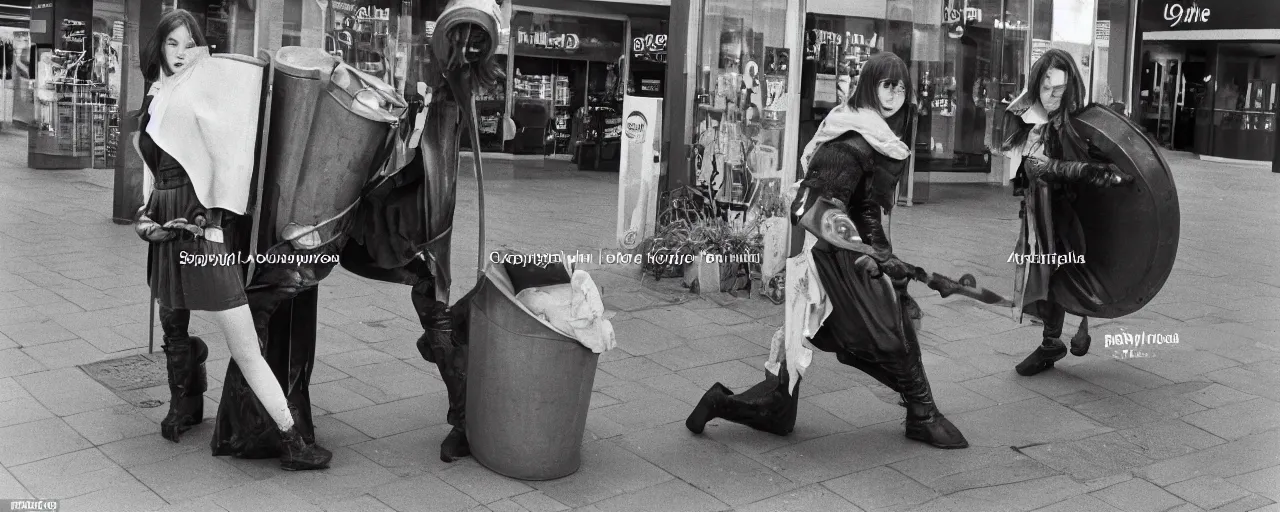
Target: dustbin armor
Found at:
396, 228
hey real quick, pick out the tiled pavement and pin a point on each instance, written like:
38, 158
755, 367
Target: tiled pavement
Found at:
1194, 427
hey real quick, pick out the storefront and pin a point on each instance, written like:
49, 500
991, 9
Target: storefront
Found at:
65, 93
568, 75
1208, 77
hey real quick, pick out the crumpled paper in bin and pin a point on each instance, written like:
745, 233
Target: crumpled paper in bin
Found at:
575, 309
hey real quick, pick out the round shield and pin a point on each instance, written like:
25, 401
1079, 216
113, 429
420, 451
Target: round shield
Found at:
1131, 231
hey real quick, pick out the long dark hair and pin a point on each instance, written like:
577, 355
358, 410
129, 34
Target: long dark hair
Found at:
152, 57
884, 66
1072, 100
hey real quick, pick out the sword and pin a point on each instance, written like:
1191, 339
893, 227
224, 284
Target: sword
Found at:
967, 285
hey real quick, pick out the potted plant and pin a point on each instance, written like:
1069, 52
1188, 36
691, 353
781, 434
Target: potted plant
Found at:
711, 253
726, 251
673, 243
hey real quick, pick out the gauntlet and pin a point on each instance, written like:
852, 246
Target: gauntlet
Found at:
149, 231
1095, 174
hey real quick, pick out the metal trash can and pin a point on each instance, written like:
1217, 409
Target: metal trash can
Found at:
528, 387
328, 137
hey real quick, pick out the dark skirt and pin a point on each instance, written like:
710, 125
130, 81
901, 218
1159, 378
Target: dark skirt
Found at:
177, 279
868, 319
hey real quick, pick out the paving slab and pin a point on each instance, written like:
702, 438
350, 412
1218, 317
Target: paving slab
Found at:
189, 476
38, 440
1239, 419
712, 467
879, 488
607, 470
1226, 460
672, 495
422, 493
68, 391
1024, 423
1138, 495
481, 484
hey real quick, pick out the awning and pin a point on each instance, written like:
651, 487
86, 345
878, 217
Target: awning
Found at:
1254, 34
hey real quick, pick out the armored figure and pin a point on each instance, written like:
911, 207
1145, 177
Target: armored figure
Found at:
848, 295
196, 186
372, 186
1055, 163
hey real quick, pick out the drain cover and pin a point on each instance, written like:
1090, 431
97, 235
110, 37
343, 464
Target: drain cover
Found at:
129, 376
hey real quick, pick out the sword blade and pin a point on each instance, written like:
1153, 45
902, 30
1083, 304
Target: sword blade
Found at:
947, 286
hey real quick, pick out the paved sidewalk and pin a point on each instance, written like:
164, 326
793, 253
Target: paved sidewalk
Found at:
1193, 427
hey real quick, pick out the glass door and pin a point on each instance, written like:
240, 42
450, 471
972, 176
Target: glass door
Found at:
959, 87
1170, 99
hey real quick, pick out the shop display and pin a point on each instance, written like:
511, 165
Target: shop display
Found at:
364, 34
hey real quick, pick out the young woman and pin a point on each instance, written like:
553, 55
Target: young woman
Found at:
853, 166
1053, 161
178, 225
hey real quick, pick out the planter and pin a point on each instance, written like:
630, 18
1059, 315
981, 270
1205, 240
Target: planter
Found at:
707, 275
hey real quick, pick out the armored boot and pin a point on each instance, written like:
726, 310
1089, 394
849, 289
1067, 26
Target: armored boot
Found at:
1049, 352
184, 359
766, 406
1080, 342
299, 454
925, 423
442, 344
1051, 349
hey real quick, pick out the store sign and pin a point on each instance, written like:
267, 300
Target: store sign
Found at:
1178, 15
650, 44
549, 40
821, 37
373, 14
969, 14
559, 36
1175, 14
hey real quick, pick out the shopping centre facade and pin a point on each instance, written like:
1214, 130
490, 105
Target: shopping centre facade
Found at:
738, 86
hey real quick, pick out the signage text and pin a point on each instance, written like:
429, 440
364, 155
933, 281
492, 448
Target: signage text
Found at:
651, 43
1176, 13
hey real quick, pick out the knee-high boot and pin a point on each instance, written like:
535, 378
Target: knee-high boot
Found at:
184, 358
443, 343
767, 406
925, 422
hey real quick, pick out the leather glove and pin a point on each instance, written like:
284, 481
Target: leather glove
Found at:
1107, 175
1096, 174
895, 268
186, 229
149, 231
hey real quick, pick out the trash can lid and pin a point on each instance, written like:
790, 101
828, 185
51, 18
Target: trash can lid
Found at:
303, 62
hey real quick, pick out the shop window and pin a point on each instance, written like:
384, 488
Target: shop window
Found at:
740, 117
567, 87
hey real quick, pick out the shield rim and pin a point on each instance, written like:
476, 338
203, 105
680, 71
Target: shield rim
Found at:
1156, 276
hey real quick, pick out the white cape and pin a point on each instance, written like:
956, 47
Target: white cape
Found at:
206, 118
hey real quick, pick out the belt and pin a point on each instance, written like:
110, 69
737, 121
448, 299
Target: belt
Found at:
169, 179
